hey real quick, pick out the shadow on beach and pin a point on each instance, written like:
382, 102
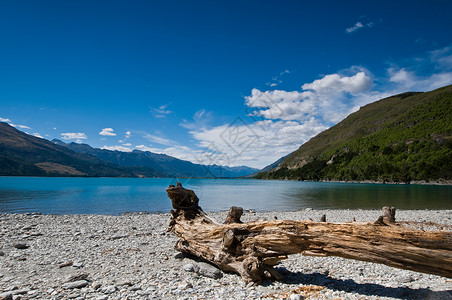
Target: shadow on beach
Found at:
365, 289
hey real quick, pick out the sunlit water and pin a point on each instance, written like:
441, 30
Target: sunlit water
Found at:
119, 195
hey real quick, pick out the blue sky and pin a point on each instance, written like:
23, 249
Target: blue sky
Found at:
226, 82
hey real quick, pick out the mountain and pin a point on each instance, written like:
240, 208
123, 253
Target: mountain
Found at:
403, 138
267, 168
161, 162
22, 154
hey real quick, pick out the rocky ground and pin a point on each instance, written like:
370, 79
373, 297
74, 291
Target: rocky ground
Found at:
132, 257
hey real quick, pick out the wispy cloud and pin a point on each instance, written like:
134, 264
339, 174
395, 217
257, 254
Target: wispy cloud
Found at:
107, 132
6, 120
161, 111
159, 140
412, 77
364, 23
276, 80
128, 134
180, 152
201, 119
77, 136
354, 28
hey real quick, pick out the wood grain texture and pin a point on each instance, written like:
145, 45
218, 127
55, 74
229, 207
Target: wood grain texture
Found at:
253, 249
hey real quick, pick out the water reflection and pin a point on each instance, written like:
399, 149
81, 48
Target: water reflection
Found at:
368, 196
118, 195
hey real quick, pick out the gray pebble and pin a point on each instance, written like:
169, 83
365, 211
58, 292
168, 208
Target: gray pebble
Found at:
75, 284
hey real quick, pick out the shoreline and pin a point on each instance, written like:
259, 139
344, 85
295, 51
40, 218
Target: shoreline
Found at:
414, 182
131, 256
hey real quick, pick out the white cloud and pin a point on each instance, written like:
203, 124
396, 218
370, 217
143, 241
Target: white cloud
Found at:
127, 144
409, 81
19, 126
78, 136
325, 99
128, 134
355, 27
117, 148
146, 148
107, 132
442, 58
37, 135
337, 83
6, 120
161, 111
159, 140
181, 152
201, 119
365, 23
280, 121
276, 80
256, 144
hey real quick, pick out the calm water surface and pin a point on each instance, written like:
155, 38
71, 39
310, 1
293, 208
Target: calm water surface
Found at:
119, 195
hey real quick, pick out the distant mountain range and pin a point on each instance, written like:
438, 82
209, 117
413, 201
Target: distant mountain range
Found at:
166, 164
404, 138
22, 154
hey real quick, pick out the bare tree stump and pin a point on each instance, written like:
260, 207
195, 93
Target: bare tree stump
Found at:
253, 249
234, 215
389, 214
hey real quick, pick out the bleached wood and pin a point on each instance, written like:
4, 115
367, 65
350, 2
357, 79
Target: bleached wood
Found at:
252, 249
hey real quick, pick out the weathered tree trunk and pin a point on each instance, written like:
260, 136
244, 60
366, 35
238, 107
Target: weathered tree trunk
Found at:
252, 249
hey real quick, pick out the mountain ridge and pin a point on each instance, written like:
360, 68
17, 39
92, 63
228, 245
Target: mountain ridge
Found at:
22, 154
160, 162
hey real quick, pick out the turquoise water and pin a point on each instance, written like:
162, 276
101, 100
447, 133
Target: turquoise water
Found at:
118, 195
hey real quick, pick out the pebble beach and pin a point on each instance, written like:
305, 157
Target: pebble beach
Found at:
131, 256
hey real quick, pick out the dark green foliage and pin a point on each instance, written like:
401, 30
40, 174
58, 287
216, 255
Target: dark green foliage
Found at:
398, 139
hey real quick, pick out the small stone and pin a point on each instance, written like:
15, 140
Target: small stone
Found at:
207, 270
77, 277
296, 297
103, 297
2, 253
6, 296
75, 284
66, 264
20, 246
109, 289
184, 285
188, 267
73, 296
96, 285
406, 279
124, 282
21, 291
78, 264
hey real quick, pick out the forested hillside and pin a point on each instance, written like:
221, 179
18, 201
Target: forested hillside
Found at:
403, 138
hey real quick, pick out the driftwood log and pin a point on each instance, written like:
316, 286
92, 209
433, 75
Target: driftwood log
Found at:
253, 249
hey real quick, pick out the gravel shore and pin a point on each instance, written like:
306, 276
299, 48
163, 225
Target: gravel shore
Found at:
132, 257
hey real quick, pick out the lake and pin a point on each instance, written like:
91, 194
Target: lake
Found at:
118, 195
